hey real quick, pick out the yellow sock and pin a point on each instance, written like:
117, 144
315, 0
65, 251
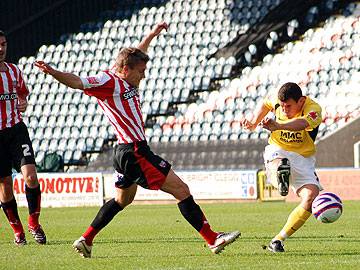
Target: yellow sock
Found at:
295, 220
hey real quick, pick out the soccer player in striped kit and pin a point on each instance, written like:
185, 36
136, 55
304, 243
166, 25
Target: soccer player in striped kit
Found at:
16, 150
135, 164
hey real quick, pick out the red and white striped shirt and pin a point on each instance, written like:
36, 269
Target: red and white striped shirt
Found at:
12, 85
121, 104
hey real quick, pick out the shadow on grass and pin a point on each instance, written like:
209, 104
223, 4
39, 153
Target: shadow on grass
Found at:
265, 239
100, 241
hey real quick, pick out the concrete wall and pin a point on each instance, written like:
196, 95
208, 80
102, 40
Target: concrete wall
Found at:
337, 149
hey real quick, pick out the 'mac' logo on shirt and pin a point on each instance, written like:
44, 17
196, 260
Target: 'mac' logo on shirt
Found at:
291, 135
130, 94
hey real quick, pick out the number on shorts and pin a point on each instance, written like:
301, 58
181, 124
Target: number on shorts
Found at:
26, 150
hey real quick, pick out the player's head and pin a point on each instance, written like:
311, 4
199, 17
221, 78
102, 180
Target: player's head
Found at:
131, 64
291, 99
3, 46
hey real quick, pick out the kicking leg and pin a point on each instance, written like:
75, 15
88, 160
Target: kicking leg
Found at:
194, 215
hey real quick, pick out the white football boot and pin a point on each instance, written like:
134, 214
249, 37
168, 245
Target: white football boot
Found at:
222, 240
82, 248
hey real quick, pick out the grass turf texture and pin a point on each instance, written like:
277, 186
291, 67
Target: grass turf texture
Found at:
157, 237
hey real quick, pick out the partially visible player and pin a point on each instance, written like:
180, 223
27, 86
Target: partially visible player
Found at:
289, 157
16, 150
135, 164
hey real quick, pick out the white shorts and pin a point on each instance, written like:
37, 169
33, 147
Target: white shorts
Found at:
302, 169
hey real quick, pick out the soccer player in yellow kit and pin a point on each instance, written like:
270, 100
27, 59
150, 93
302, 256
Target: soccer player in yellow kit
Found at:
289, 157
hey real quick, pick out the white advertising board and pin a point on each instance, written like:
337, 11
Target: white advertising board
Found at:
64, 189
208, 185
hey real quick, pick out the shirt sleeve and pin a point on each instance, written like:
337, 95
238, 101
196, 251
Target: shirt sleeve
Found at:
97, 85
95, 81
270, 101
312, 114
22, 90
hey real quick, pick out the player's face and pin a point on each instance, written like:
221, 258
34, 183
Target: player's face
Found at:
136, 74
3, 47
291, 108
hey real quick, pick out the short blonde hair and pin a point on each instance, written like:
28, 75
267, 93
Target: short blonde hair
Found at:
130, 57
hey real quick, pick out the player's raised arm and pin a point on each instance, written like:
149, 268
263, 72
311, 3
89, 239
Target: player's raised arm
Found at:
144, 44
259, 114
69, 79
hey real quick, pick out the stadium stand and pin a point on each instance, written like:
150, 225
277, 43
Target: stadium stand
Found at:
192, 99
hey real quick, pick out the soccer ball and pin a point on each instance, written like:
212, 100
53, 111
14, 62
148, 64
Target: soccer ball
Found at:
327, 207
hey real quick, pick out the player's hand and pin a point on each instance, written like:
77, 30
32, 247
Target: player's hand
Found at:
247, 124
44, 67
270, 124
158, 28
22, 104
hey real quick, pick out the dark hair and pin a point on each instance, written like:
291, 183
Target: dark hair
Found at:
2, 34
289, 90
130, 57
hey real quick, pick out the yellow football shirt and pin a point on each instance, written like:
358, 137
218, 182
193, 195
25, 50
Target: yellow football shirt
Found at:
302, 141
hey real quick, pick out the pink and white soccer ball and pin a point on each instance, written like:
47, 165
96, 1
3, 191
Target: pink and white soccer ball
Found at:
327, 207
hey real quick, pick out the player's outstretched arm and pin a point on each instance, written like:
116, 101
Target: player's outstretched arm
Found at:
259, 114
294, 125
69, 79
144, 44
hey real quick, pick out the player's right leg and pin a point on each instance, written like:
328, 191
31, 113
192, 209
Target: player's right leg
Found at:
193, 214
9, 206
124, 197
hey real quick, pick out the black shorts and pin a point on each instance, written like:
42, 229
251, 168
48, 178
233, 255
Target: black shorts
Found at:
136, 163
15, 148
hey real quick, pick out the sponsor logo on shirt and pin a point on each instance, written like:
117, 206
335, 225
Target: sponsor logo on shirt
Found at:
162, 164
313, 115
130, 94
92, 80
291, 137
11, 96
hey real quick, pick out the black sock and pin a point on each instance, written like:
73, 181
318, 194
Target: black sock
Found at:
106, 214
11, 212
33, 197
191, 212
12, 207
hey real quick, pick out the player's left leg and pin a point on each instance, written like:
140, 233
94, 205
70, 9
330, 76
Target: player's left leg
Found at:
297, 217
33, 197
124, 196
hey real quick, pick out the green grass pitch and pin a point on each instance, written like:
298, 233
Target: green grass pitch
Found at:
157, 237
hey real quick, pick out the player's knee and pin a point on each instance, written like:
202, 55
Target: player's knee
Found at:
186, 189
313, 195
31, 180
182, 192
123, 202
309, 198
